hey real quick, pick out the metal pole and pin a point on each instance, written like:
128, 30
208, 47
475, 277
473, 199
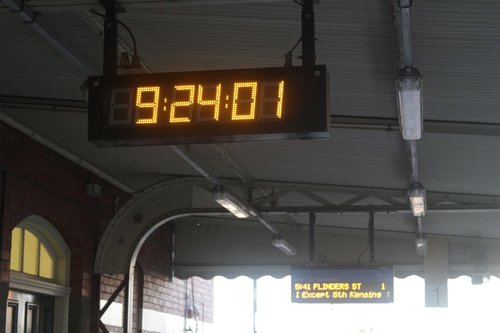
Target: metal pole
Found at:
371, 231
128, 303
420, 227
36, 23
405, 6
308, 35
312, 238
110, 39
254, 305
411, 146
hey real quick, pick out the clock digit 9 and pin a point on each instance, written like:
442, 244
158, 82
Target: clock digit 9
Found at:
140, 105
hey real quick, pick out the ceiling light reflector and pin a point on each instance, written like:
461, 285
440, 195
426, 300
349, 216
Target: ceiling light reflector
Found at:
416, 193
421, 245
281, 244
409, 88
237, 207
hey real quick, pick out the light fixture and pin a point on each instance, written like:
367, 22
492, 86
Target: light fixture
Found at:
409, 88
130, 65
416, 193
281, 244
236, 206
421, 245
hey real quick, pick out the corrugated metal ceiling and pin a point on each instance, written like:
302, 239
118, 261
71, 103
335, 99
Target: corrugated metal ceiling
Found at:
455, 47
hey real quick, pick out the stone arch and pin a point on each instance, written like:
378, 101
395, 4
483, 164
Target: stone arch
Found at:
138, 218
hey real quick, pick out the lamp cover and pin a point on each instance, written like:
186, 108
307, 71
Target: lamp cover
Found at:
409, 89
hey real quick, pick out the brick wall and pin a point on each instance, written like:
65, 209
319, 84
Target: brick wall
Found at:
165, 293
42, 182
39, 181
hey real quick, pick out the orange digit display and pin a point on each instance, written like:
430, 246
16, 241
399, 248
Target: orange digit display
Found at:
233, 105
276, 99
336, 284
178, 104
209, 102
141, 105
238, 102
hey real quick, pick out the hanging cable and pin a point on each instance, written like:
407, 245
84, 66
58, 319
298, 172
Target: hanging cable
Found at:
289, 54
124, 26
125, 62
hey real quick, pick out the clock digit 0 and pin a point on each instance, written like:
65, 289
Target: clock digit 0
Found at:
237, 101
142, 105
177, 104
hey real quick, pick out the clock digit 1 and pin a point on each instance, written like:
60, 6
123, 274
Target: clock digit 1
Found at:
280, 86
211, 102
120, 113
237, 101
176, 104
140, 105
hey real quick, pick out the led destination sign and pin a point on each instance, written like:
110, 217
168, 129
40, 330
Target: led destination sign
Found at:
209, 106
326, 284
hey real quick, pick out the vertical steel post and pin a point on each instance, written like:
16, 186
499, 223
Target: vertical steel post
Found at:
254, 305
110, 40
371, 231
308, 35
95, 300
127, 307
405, 7
312, 238
140, 297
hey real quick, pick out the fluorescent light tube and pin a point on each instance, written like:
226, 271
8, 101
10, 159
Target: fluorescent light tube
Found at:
237, 207
417, 196
282, 245
409, 89
421, 245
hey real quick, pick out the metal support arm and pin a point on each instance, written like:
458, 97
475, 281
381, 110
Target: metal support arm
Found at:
308, 35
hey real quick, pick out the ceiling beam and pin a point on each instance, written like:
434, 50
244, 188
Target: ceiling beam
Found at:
439, 199
430, 125
30, 17
74, 5
336, 121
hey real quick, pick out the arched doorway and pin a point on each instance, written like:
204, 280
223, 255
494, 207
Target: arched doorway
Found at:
38, 298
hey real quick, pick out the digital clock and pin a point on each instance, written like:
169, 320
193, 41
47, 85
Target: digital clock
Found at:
331, 284
209, 106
